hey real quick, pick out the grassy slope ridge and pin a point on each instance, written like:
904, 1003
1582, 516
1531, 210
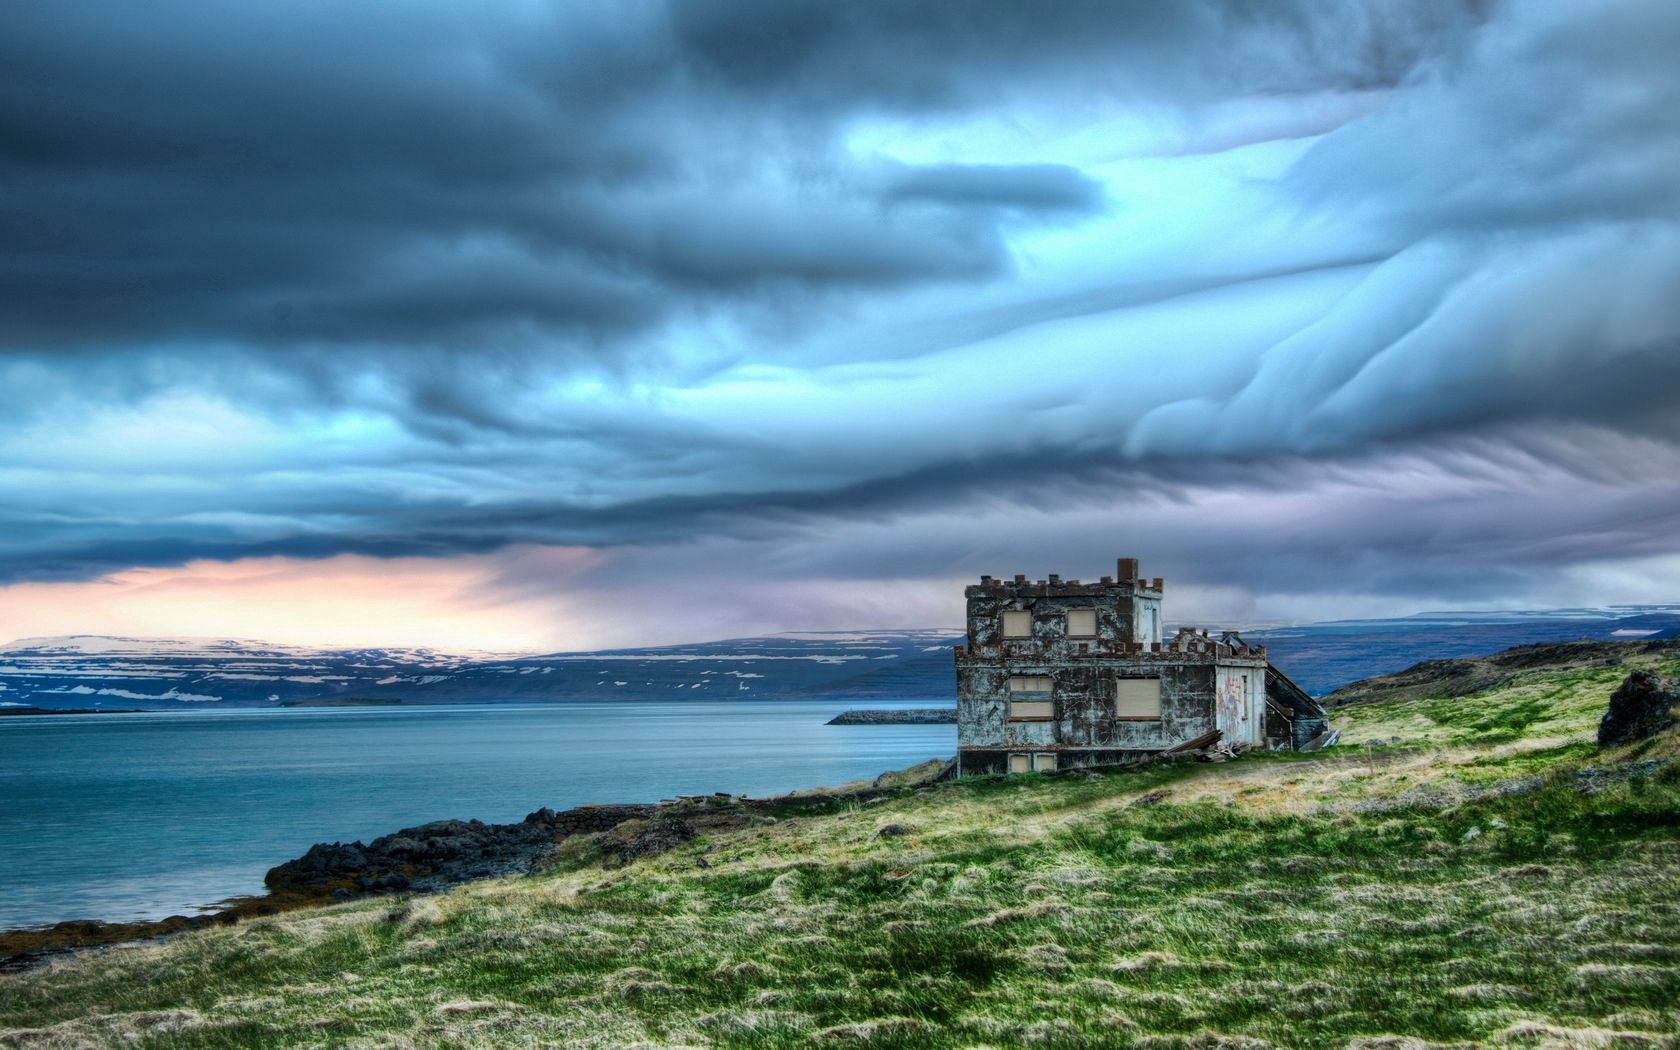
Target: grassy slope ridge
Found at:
1490, 880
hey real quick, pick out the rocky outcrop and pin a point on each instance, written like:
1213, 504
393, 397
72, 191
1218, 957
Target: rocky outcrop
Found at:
442, 853
1448, 678
636, 839
1641, 707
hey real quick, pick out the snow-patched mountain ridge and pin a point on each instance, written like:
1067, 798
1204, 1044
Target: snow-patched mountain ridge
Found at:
106, 671
96, 671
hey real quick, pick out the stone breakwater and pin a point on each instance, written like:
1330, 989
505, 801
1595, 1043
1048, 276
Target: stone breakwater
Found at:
914, 716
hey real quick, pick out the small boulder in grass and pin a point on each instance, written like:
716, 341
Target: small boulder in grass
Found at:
1641, 707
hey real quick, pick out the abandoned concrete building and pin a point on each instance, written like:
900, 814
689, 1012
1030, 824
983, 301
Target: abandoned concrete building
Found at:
1058, 674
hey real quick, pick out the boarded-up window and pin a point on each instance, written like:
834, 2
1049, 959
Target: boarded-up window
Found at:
1137, 698
1082, 623
1020, 763
1033, 685
1044, 762
1017, 623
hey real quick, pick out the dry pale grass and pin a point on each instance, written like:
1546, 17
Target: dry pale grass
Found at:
1331, 900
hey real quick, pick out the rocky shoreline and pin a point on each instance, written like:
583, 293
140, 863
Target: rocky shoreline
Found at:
440, 854
32, 711
431, 857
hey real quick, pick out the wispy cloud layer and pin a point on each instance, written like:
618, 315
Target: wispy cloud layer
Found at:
1366, 299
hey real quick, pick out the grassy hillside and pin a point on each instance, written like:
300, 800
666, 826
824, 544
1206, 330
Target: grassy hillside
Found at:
1488, 879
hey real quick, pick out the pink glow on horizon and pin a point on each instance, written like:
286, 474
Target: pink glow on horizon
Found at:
347, 600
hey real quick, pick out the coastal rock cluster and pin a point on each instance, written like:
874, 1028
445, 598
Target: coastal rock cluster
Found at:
441, 853
1641, 707
635, 839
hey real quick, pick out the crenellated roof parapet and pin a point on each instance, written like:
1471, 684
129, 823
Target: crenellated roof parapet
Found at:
1187, 646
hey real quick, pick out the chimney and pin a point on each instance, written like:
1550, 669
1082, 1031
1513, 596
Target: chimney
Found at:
1128, 570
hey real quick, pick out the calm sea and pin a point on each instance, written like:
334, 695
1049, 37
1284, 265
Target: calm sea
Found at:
142, 816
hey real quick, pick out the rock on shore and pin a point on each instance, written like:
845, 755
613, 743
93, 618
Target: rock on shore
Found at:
442, 853
1642, 706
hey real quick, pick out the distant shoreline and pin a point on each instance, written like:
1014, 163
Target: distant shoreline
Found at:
886, 716
4, 711
345, 701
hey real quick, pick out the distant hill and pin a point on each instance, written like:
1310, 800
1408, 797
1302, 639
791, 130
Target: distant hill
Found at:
1462, 676
102, 671
1322, 657
92, 671
95, 671
913, 664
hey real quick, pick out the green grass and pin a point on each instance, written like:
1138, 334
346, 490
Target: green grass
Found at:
1293, 900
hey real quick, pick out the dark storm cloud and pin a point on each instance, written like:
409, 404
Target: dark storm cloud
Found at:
309, 173
949, 53
1026, 186
622, 276
291, 174
1524, 196
1515, 514
1493, 512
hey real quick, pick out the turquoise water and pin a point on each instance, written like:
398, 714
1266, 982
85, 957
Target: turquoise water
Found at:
123, 817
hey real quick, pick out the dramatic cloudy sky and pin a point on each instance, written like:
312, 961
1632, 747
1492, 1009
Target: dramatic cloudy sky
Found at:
565, 325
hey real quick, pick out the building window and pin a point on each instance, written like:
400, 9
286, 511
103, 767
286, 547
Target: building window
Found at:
1082, 623
1041, 761
1137, 698
1017, 623
1029, 698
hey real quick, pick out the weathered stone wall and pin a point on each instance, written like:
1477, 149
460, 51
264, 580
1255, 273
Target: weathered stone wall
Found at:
1049, 601
1195, 672
982, 761
1083, 702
